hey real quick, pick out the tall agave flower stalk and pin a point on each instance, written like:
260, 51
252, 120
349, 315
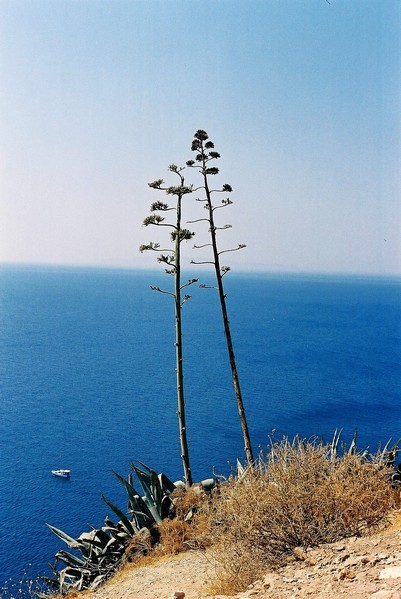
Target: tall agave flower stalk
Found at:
204, 155
171, 257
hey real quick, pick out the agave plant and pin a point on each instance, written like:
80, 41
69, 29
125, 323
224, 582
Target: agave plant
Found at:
100, 554
383, 458
157, 489
396, 477
99, 551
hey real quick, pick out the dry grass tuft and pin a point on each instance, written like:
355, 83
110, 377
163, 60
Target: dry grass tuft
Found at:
175, 537
140, 546
298, 496
189, 529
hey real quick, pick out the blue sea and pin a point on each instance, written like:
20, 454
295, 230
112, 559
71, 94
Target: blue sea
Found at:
88, 383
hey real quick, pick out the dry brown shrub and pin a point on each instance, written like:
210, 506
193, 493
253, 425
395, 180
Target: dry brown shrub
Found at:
174, 536
298, 496
139, 546
189, 528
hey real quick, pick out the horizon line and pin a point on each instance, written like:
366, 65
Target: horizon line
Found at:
235, 270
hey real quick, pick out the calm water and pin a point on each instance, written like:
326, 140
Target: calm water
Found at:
87, 383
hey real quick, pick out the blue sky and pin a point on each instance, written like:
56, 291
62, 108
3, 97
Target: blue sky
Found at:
301, 98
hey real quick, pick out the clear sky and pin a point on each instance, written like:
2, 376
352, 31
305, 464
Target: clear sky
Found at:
301, 98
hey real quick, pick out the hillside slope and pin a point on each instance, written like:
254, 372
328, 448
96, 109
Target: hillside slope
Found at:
358, 568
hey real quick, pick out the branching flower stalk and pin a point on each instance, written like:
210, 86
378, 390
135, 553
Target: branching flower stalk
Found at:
171, 257
205, 154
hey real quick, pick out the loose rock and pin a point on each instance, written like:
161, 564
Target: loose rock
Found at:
392, 572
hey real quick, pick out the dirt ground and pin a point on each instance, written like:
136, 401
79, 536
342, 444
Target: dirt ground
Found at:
357, 568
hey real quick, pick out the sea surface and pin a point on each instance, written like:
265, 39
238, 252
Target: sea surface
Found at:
88, 383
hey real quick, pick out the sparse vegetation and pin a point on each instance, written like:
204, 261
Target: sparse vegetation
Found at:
301, 494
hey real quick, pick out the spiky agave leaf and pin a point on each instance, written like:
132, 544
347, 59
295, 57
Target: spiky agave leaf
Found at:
129, 526
136, 505
151, 506
154, 485
388, 455
94, 544
157, 489
76, 573
165, 482
99, 538
119, 536
335, 442
71, 560
70, 541
352, 447
151, 487
72, 579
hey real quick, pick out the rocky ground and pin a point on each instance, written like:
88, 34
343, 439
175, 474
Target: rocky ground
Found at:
357, 568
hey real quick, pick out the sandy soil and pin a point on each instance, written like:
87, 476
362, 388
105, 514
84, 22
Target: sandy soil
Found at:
357, 568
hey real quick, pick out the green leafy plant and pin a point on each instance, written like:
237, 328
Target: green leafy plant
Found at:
171, 258
205, 155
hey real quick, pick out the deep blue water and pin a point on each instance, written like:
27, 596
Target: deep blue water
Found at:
88, 383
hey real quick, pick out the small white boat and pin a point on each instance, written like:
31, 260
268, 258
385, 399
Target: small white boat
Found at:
62, 473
